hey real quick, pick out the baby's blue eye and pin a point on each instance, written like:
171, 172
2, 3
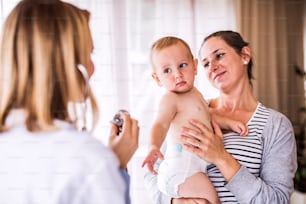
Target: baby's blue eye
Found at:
182, 65
206, 65
167, 70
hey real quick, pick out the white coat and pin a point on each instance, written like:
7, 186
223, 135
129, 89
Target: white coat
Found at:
56, 167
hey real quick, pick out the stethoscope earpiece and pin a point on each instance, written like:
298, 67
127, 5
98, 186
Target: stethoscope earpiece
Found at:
85, 75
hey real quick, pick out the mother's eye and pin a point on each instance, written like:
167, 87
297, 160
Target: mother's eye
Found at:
220, 55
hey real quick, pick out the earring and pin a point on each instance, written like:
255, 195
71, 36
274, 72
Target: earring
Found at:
245, 62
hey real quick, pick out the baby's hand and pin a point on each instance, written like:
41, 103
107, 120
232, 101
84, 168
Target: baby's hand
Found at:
151, 158
240, 128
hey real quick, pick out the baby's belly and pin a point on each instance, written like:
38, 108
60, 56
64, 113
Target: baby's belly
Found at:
175, 130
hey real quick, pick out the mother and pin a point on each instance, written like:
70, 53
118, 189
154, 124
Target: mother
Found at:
258, 168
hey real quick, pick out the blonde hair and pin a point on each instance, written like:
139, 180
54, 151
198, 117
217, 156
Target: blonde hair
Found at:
165, 42
43, 41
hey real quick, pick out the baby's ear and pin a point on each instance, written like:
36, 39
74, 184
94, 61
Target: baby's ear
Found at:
195, 64
156, 78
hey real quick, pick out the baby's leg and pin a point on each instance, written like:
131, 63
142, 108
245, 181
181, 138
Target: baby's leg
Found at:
198, 186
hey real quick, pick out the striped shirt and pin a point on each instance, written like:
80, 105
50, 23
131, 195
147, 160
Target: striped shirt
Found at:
246, 150
268, 158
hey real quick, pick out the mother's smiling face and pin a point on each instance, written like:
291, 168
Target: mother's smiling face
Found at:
225, 68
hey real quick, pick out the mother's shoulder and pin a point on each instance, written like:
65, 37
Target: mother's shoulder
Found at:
278, 118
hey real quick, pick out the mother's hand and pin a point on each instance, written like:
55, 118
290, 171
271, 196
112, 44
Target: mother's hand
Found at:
189, 201
204, 142
209, 146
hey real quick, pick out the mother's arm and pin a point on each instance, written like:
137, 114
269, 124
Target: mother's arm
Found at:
275, 183
278, 167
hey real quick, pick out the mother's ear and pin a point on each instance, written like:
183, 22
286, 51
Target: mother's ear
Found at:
156, 78
246, 54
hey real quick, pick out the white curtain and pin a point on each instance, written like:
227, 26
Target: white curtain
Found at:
123, 31
190, 20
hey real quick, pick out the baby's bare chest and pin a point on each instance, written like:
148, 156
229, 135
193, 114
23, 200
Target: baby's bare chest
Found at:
191, 108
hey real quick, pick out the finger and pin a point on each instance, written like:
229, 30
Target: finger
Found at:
216, 129
241, 129
147, 161
113, 131
144, 163
202, 127
135, 131
160, 155
192, 148
187, 139
245, 130
126, 120
151, 169
203, 201
190, 200
191, 136
130, 130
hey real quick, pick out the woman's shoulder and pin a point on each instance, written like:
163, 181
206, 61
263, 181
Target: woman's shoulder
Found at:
277, 117
277, 124
66, 145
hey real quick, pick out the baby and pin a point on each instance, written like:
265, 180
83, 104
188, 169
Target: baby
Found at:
181, 174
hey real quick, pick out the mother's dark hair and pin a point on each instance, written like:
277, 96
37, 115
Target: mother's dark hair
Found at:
234, 40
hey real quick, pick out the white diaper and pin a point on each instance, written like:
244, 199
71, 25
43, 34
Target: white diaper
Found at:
177, 166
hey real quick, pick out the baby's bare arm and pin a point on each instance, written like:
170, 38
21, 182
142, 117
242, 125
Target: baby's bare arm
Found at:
230, 124
160, 127
166, 112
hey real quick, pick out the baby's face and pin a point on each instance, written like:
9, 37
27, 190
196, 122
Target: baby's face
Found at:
175, 69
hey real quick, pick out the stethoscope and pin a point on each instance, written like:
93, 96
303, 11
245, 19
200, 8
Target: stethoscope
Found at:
85, 75
117, 120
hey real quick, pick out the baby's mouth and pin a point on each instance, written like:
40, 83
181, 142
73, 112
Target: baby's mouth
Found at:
181, 83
